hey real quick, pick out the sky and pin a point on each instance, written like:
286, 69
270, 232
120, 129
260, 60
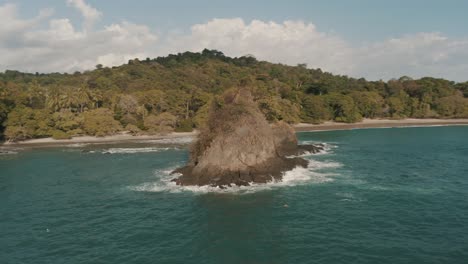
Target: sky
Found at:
374, 39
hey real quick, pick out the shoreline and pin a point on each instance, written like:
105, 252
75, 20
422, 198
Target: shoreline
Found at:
119, 138
379, 123
302, 127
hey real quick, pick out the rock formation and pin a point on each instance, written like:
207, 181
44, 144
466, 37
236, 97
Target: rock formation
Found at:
238, 146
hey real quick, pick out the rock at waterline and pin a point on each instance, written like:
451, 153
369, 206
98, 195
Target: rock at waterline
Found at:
238, 146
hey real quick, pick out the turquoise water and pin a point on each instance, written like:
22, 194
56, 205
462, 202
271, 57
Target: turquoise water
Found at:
375, 196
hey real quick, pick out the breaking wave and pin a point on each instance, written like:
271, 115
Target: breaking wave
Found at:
9, 151
313, 174
77, 145
178, 140
131, 150
327, 148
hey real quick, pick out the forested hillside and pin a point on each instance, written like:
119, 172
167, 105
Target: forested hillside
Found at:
174, 93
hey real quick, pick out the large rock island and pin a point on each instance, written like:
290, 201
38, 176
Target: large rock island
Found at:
238, 146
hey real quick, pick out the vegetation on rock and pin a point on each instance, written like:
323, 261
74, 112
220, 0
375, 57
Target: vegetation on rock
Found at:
238, 145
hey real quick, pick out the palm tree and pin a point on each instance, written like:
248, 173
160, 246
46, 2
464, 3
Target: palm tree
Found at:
96, 97
53, 99
69, 99
35, 94
83, 97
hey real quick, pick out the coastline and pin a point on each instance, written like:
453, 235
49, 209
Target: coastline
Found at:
302, 127
119, 138
379, 123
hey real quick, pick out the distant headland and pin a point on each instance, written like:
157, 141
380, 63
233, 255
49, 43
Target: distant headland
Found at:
156, 97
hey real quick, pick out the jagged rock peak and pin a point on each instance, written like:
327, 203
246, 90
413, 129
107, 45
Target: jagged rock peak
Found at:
238, 146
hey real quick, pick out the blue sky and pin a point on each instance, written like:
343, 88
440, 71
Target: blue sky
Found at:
359, 20
416, 38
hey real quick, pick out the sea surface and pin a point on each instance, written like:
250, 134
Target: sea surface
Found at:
396, 195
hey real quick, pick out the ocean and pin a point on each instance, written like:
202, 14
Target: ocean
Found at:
396, 195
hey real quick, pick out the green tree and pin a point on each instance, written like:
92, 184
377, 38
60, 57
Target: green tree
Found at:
100, 122
315, 109
183, 85
36, 96
370, 104
54, 98
452, 106
202, 114
21, 124
343, 108
396, 107
68, 122
277, 109
83, 97
162, 123
69, 99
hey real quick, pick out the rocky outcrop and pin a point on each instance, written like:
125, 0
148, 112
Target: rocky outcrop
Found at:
239, 146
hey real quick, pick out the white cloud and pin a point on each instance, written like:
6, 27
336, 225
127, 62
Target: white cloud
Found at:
11, 25
60, 47
29, 45
90, 14
418, 55
290, 42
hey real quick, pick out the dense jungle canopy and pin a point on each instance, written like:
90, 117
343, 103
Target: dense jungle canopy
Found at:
175, 93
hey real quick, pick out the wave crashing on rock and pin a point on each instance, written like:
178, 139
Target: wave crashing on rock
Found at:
239, 147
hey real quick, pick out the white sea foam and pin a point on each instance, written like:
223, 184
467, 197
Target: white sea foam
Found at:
327, 148
298, 176
7, 152
77, 145
348, 197
131, 150
331, 145
178, 140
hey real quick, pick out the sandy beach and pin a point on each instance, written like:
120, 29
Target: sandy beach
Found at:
124, 137
302, 127
380, 123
